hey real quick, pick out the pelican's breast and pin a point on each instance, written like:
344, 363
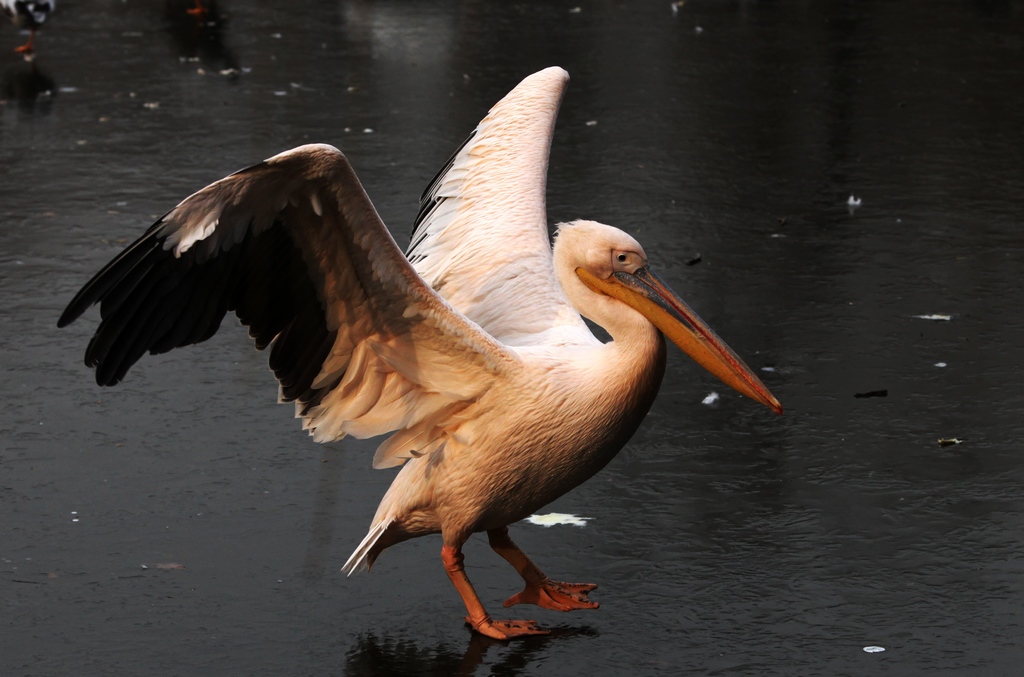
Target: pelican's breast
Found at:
569, 419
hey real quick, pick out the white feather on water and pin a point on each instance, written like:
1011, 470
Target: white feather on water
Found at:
555, 518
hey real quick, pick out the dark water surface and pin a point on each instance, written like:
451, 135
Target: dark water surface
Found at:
726, 541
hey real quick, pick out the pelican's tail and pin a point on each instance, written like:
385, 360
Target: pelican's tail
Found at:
365, 553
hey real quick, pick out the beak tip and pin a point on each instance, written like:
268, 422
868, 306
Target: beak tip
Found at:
772, 403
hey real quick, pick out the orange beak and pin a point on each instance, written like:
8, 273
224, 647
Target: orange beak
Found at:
647, 294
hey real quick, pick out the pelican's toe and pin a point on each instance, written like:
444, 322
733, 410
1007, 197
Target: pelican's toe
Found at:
556, 596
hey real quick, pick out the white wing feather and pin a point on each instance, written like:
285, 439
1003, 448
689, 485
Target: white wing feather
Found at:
481, 239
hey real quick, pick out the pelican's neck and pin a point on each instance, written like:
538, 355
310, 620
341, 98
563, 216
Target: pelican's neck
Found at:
634, 359
629, 330
627, 375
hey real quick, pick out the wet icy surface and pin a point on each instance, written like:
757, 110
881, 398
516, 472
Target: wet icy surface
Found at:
181, 523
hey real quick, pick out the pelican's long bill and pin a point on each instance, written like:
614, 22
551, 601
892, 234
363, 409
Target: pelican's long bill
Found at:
647, 294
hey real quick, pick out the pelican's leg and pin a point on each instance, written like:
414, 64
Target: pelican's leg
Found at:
540, 589
27, 47
198, 10
478, 617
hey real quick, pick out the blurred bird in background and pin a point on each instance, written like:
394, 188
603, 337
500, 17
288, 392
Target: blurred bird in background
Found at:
30, 14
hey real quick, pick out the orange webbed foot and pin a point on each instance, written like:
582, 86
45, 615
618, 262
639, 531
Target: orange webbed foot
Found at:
556, 596
506, 629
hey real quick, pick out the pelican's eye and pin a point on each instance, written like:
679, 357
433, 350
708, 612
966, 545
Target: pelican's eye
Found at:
626, 261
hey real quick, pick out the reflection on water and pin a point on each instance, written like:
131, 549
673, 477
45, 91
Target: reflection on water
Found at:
200, 37
30, 87
375, 657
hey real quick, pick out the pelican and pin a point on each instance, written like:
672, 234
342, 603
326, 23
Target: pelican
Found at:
28, 14
470, 349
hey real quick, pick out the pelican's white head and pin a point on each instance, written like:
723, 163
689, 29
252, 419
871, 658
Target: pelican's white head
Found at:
605, 276
601, 251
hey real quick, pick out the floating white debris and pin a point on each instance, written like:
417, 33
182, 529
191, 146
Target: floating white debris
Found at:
676, 6
853, 201
368, 130
767, 368
276, 36
698, 30
280, 93
940, 364
67, 90
151, 105
711, 399
575, 10
935, 316
591, 123
874, 649
553, 518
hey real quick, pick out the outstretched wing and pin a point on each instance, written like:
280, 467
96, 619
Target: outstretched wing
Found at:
481, 237
294, 247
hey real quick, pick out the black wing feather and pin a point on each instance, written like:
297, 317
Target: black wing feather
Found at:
429, 201
111, 274
152, 301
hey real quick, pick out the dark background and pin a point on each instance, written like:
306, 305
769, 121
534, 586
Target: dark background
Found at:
726, 541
